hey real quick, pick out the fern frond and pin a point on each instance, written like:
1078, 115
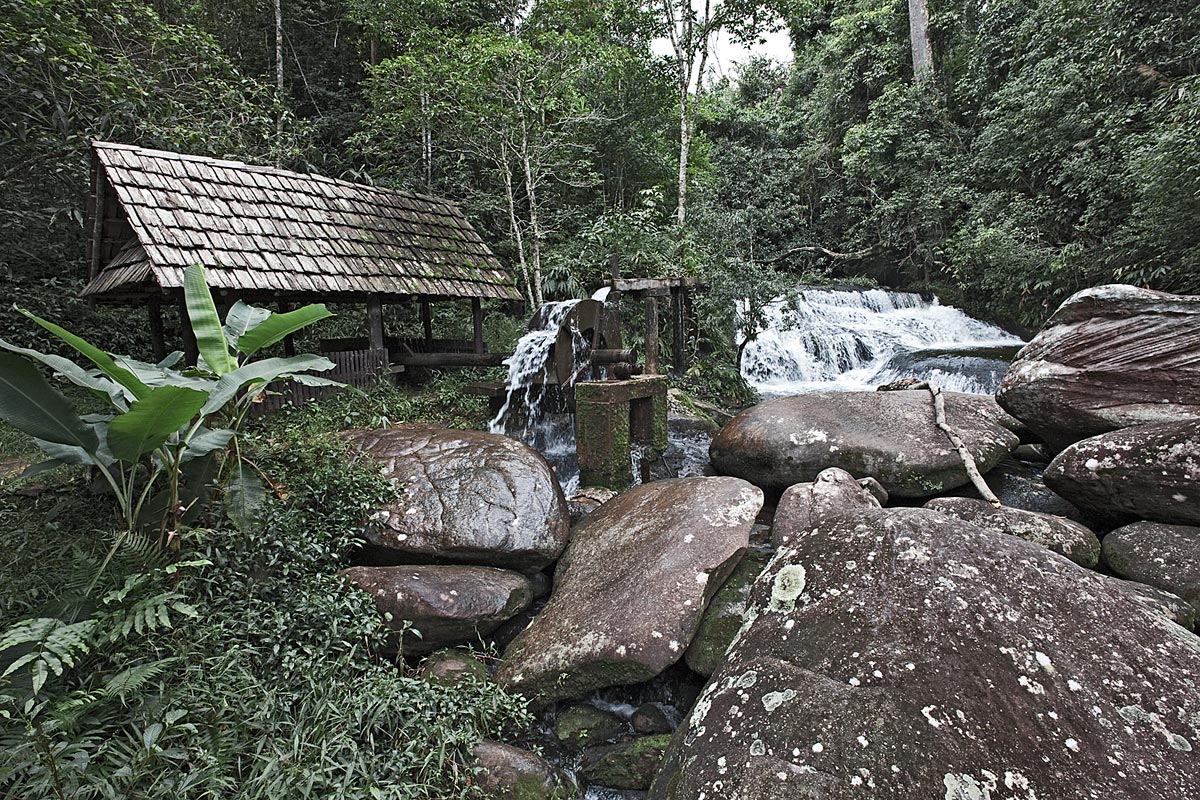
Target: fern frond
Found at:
53, 646
133, 678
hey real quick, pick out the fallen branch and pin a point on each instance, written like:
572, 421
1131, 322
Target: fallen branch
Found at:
856, 255
939, 414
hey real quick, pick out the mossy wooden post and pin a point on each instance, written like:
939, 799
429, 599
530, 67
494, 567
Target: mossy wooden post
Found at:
651, 335
426, 321
609, 416
477, 324
191, 350
157, 340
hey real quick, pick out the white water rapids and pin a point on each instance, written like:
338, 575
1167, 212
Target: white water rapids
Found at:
835, 339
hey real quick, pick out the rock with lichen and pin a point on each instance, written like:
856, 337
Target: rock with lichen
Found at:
889, 436
1164, 556
903, 653
1063, 536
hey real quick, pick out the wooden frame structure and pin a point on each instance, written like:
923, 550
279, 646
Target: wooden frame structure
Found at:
274, 236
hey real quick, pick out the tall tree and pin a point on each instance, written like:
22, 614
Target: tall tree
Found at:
918, 29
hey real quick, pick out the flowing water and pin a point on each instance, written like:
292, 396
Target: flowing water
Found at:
836, 339
528, 413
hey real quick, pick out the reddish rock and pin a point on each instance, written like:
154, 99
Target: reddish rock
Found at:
1109, 357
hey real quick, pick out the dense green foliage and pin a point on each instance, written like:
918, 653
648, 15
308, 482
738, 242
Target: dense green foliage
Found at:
246, 669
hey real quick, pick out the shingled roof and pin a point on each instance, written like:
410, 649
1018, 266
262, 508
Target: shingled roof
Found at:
266, 231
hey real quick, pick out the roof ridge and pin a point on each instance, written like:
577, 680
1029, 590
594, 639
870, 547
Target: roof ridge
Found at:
268, 169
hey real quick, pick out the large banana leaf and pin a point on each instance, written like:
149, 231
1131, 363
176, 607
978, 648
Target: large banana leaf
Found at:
264, 372
242, 318
74, 373
134, 387
148, 422
277, 326
202, 311
245, 497
205, 442
31, 405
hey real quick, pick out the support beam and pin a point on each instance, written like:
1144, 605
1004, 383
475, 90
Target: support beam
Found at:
100, 186
289, 341
191, 351
651, 336
157, 340
679, 356
477, 323
426, 319
375, 330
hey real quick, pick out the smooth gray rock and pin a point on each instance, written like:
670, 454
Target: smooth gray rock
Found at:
448, 604
580, 725
890, 436
1109, 357
1058, 534
901, 653
631, 588
1166, 556
1150, 472
463, 496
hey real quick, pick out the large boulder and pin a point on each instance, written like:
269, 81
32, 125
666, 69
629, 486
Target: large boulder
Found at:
446, 604
1110, 357
628, 765
463, 496
1166, 556
901, 653
1059, 534
1148, 472
890, 436
632, 586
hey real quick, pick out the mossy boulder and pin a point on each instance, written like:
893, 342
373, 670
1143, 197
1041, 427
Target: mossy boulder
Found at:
627, 765
725, 615
1061, 535
580, 725
504, 772
452, 667
1165, 556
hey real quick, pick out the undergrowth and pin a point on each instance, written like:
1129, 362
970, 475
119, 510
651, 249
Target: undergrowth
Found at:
246, 669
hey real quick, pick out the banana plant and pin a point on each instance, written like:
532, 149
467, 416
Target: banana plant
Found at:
164, 420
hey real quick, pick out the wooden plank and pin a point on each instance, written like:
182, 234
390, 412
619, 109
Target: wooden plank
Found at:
651, 336
101, 188
678, 356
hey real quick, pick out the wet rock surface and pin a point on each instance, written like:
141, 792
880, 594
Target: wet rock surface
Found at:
448, 604
903, 653
1109, 357
1058, 534
625, 765
510, 773
580, 725
1021, 485
464, 496
1150, 472
890, 436
1165, 556
632, 586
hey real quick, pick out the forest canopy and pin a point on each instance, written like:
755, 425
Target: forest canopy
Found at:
1050, 146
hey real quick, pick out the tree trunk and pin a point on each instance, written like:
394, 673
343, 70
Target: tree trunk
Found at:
509, 195
535, 231
922, 52
685, 142
278, 79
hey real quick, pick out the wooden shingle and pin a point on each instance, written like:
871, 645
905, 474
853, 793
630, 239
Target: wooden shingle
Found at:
261, 229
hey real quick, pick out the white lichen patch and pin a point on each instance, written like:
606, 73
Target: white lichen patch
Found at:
773, 700
787, 587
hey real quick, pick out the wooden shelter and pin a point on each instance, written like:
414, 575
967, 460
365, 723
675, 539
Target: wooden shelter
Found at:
270, 235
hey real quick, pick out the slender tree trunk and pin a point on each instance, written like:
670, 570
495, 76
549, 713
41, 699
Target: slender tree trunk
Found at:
278, 80
535, 230
922, 51
510, 196
685, 142
426, 144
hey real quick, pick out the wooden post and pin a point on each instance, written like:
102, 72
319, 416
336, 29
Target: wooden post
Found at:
157, 341
651, 335
477, 323
375, 328
100, 184
679, 359
191, 351
289, 342
427, 320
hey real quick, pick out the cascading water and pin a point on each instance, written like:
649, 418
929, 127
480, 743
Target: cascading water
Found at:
823, 339
526, 414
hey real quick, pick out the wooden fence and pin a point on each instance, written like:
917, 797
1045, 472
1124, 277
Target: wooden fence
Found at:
359, 368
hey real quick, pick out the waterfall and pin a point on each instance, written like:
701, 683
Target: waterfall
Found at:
821, 339
526, 414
